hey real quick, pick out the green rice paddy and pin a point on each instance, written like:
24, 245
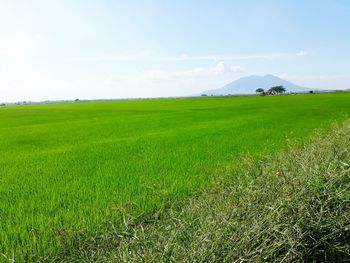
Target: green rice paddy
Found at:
78, 167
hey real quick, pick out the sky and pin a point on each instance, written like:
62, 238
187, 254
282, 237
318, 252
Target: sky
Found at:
104, 49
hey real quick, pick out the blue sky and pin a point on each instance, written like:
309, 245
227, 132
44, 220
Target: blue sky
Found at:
60, 49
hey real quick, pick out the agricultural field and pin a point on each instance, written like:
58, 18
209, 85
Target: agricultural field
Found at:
77, 168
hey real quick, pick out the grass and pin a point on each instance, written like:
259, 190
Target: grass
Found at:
293, 206
72, 169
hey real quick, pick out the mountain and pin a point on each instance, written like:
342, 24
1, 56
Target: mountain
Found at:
248, 85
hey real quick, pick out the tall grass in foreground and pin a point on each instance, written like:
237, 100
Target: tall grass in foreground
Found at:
290, 207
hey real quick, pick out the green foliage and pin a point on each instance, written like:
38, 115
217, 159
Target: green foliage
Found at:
259, 90
72, 169
277, 89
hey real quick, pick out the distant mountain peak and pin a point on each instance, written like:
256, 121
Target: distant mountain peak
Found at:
249, 84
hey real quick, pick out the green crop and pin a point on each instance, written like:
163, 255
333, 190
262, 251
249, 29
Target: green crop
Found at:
74, 168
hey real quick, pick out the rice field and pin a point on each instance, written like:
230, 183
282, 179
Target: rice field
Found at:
74, 168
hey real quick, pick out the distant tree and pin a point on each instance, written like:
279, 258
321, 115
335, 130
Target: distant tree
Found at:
277, 90
311, 91
259, 90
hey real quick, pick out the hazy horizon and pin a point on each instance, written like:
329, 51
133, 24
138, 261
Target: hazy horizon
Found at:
62, 50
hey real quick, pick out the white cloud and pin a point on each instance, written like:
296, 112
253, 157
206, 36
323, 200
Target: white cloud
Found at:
221, 67
253, 56
153, 83
218, 69
301, 53
149, 54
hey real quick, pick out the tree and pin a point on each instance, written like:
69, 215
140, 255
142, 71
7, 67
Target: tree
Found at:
277, 90
259, 90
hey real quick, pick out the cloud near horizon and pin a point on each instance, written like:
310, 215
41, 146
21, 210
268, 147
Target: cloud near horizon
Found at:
150, 54
174, 83
219, 68
253, 56
302, 53
216, 70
